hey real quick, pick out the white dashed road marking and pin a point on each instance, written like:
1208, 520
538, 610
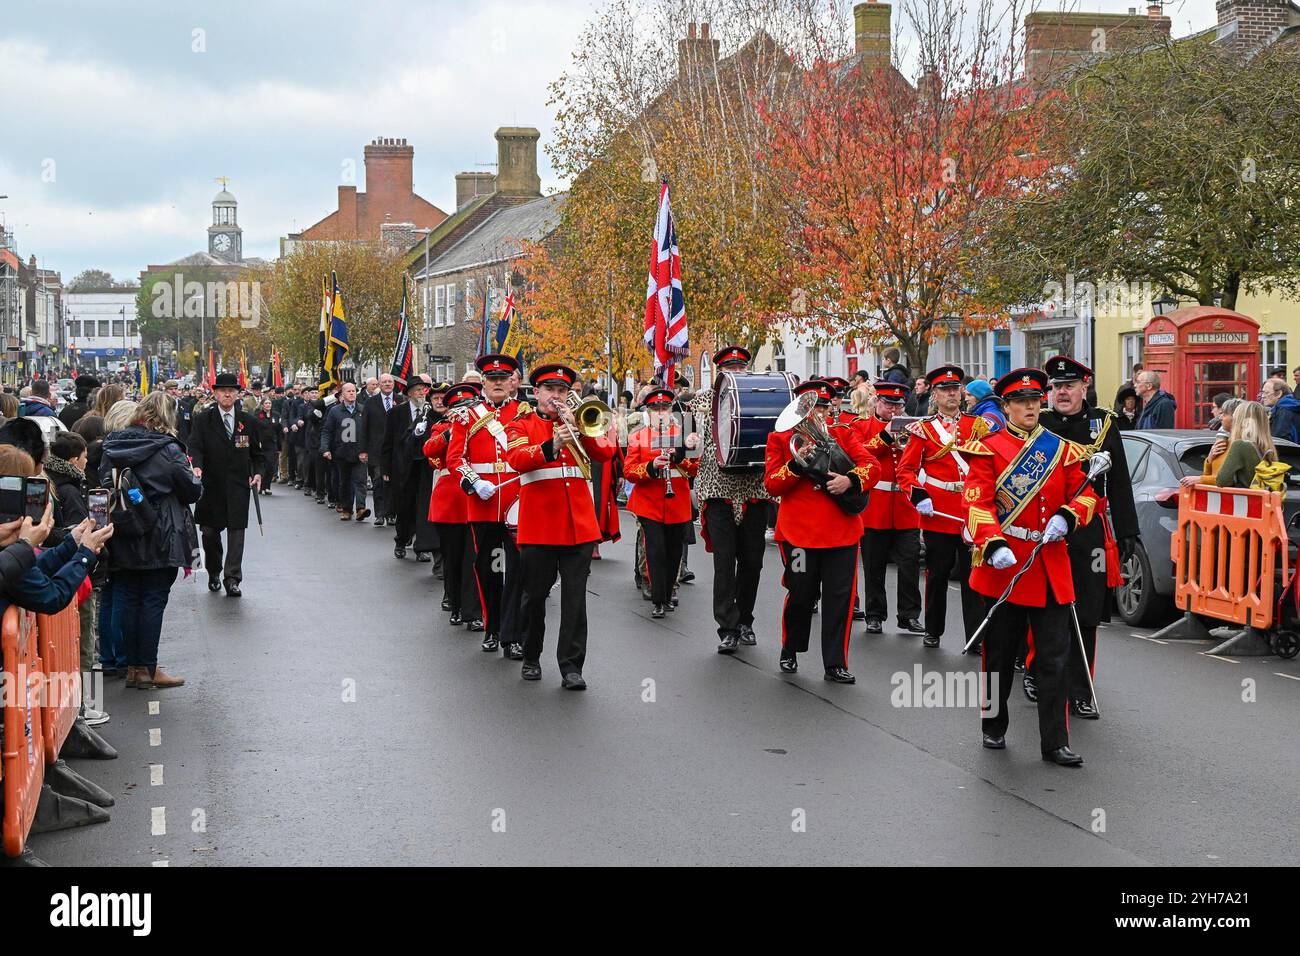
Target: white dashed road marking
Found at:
155, 736
1143, 637
1215, 657
159, 821
155, 775
158, 863
153, 708
1287, 676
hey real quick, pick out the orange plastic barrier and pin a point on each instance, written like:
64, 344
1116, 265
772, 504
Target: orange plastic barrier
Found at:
1226, 553
59, 643
24, 754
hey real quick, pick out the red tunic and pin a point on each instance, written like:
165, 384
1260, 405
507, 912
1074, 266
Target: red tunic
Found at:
989, 458
447, 504
477, 449
887, 508
944, 477
809, 517
648, 499
555, 502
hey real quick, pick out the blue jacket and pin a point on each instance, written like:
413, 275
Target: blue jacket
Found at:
51, 583
32, 407
991, 409
1284, 418
1158, 412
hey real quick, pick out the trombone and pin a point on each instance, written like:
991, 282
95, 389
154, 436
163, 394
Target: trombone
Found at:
591, 418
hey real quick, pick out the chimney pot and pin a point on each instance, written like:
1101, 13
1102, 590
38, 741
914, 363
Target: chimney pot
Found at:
704, 31
1154, 9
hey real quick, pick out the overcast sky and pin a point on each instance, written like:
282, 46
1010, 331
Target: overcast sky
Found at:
116, 123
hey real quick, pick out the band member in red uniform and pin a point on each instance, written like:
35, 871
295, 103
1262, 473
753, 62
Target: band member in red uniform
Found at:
477, 456
734, 511
931, 450
838, 413
557, 519
661, 472
891, 522
818, 539
449, 513
1027, 485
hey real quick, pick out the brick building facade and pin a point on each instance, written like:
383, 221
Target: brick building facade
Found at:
389, 197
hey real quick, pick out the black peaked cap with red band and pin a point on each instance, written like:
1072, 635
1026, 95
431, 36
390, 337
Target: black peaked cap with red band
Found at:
463, 393
553, 374
945, 375
731, 353
841, 385
1022, 383
660, 398
497, 364
895, 392
820, 387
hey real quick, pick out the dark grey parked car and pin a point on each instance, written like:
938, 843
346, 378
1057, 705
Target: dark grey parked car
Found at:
1157, 461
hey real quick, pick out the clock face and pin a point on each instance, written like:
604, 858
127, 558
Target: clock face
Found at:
222, 242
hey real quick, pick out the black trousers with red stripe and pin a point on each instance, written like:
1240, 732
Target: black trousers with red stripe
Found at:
943, 552
496, 569
457, 568
832, 573
1053, 634
663, 549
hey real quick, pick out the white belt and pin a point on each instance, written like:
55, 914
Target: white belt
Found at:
556, 471
884, 486
444, 471
491, 468
945, 485
1024, 534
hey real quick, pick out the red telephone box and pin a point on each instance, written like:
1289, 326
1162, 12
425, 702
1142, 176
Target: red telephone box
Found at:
1199, 352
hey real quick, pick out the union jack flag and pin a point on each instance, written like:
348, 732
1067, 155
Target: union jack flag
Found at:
666, 332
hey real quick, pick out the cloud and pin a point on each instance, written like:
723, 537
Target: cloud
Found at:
117, 166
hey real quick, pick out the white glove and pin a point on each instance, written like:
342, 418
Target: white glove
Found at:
1002, 559
925, 507
420, 427
1099, 464
484, 488
1056, 529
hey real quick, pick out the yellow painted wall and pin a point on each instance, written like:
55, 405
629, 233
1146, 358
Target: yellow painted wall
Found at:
1274, 314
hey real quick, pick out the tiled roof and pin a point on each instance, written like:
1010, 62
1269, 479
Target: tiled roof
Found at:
497, 238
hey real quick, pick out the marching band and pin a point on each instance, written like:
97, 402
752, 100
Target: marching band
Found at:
1029, 509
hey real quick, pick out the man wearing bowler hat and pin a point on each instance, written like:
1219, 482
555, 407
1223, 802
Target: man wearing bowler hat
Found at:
227, 458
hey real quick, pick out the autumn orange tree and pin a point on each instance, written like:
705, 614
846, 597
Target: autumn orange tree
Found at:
891, 186
653, 92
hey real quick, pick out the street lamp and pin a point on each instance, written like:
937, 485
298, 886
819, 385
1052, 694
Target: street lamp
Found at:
1164, 305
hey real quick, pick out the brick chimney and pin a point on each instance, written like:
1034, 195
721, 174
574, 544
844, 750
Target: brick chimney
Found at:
389, 165
696, 54
348, 208
469, 186
1056, 41
397, 235
871, 30
1249, 24
517, 162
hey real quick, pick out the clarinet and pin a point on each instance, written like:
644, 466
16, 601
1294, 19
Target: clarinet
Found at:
668, 472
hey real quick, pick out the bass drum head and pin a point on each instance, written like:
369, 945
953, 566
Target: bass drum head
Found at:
725, 414
512, 514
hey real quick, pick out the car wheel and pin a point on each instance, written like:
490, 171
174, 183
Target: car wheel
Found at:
1136, 599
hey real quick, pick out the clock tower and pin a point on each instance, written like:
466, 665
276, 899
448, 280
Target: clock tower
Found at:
225, 238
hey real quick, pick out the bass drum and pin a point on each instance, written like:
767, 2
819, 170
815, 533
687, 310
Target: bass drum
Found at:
745, 408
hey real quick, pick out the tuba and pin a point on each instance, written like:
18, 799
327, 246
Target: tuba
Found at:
812, 442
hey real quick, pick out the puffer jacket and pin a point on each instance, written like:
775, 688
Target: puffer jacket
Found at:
160, 465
